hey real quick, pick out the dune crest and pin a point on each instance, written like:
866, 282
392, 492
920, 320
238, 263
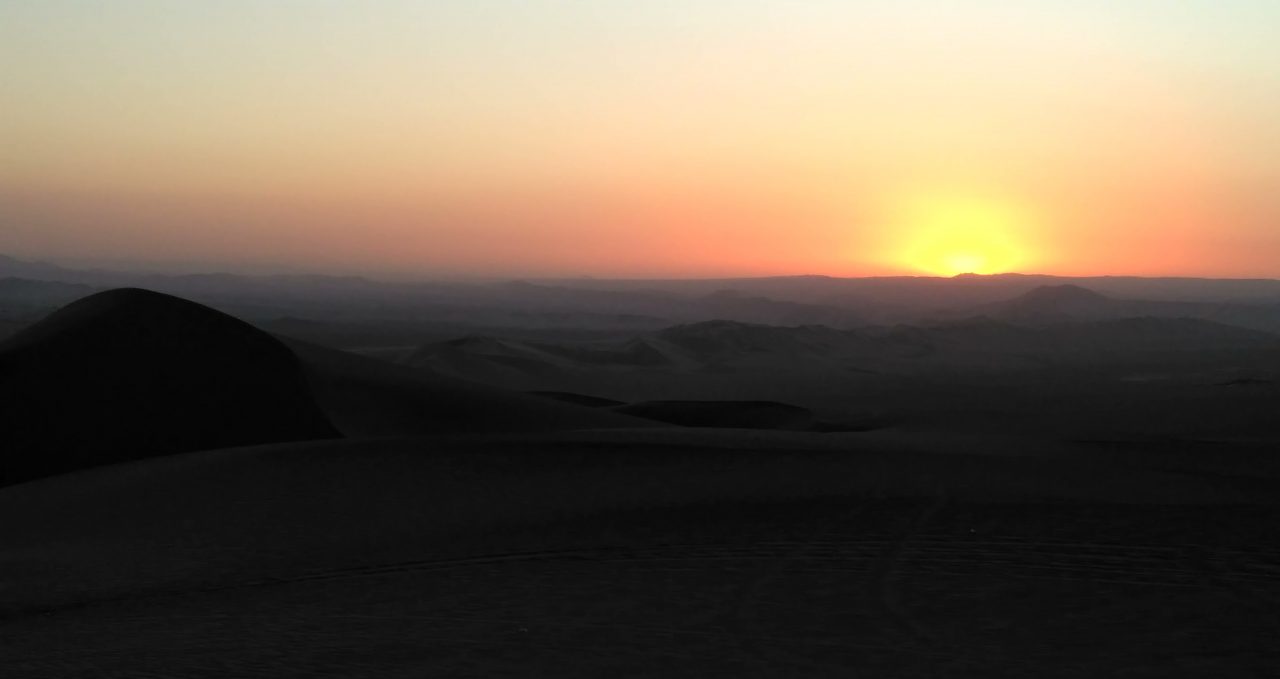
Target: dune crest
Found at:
129, 374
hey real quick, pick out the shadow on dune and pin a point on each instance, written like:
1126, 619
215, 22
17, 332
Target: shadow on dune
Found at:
128, 374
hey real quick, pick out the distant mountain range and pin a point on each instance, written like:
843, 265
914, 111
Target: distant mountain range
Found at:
1058, 303
327, 305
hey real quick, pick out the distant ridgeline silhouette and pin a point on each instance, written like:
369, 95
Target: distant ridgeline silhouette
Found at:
1059, 299
129, 374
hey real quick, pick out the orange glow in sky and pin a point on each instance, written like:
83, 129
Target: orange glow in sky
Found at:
631, 139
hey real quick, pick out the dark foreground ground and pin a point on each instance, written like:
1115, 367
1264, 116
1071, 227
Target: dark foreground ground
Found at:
885, 589
589, 555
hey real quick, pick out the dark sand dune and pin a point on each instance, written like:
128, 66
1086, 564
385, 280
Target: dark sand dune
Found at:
129, 374
687, 553
366, 397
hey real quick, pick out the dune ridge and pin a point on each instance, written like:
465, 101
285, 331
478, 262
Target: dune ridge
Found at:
128, 374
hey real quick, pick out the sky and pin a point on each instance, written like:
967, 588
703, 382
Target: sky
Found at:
616, 138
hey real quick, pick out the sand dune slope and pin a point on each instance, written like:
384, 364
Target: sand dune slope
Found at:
128, 374
366, 397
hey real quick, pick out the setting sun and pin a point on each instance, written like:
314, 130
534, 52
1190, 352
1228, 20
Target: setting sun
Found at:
949, 235
964, 262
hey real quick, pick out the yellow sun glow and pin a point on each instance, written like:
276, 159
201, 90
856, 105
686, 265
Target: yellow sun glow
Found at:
949, 235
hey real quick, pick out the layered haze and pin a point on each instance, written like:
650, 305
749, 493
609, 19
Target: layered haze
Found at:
608, 138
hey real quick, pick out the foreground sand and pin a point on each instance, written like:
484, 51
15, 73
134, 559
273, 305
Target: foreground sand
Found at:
644, 553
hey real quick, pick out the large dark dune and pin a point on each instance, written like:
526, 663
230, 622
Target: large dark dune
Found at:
129, 374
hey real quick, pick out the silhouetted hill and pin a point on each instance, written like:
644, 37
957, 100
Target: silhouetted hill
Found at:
1061, 303
129, 374
1057, 302
1054, 304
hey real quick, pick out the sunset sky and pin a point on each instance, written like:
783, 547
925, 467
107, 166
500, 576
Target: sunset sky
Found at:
644, 138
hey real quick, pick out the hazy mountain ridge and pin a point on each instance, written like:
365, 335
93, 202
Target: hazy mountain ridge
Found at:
785, 300
1068, 302
474, 304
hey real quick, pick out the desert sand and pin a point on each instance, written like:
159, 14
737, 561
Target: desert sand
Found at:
190, 496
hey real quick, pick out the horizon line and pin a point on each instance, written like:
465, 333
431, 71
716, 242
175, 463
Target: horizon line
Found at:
144, 268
